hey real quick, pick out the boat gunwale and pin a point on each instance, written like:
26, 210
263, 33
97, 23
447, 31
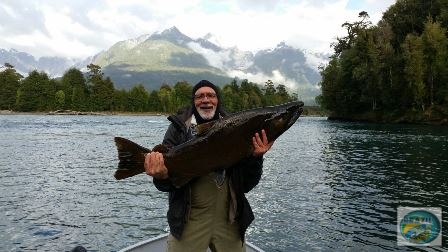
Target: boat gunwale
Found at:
165, 236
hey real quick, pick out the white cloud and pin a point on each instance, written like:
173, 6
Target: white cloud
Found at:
276, 77
215, 59
83, 28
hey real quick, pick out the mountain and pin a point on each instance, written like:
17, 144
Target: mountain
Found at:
288, 66
25, 63
160, 58
171, 56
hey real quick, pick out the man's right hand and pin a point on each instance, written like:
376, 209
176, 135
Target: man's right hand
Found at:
155, 165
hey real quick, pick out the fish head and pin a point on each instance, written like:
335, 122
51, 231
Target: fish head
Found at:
280, 118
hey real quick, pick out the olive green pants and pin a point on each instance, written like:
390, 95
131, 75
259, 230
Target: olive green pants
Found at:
208, 225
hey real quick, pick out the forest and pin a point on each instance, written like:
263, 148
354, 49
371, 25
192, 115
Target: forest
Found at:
91, 91
395, 71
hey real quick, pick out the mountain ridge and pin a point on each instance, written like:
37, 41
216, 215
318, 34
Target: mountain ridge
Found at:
170, 56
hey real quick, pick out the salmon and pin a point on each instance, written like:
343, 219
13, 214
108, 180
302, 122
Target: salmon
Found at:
217, 145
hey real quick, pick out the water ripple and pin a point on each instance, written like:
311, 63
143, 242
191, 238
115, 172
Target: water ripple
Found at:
326, 186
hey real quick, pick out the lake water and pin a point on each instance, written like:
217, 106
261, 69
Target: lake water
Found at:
327, 186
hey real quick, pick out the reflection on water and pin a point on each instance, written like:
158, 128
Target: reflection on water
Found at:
326, 185
336, 186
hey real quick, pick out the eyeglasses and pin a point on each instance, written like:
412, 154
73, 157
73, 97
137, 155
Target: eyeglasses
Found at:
203, 95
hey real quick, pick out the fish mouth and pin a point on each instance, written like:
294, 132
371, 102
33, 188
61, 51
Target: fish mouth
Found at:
282, 118
296, 111
293, 110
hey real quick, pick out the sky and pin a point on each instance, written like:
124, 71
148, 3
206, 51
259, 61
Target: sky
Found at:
81, 28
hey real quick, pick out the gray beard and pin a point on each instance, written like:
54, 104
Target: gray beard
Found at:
205, 115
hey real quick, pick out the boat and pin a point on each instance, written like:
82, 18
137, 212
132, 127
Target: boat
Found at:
158, 244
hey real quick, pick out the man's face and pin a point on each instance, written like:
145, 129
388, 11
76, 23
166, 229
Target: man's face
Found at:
205, 101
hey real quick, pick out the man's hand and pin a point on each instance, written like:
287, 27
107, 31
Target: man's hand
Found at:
261, 144
155, 165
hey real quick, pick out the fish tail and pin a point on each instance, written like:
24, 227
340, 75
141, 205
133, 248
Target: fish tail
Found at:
131, 158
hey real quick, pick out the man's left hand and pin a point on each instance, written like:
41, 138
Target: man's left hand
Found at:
261, 144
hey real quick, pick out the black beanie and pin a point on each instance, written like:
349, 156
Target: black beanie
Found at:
205, 83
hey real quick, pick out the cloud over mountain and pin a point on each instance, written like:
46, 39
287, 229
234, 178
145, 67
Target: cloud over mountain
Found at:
171, 56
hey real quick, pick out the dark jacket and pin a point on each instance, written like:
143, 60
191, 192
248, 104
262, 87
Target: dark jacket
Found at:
243, 177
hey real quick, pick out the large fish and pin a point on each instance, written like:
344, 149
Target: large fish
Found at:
217, 145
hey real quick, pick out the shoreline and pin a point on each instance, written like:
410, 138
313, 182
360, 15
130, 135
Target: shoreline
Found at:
77, 113
107, 113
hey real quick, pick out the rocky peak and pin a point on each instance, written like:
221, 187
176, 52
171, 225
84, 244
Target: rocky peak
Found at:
172, 35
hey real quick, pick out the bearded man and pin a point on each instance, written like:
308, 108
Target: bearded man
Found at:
211, 211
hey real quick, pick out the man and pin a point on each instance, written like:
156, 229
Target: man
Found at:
209, 211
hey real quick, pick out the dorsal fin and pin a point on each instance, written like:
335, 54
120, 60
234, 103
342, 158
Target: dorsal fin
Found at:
202, 129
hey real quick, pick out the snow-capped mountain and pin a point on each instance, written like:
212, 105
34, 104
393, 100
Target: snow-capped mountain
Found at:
170, 56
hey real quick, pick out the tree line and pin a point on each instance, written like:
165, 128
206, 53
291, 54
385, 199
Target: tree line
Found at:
94, 92
396, 68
